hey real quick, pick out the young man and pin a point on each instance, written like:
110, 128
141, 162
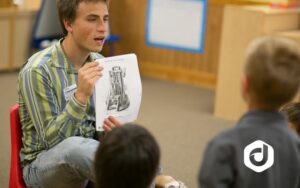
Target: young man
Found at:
55, 98
260, 151
128, 156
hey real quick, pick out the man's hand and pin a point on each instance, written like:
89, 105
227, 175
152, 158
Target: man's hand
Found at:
87, 77
110, 123
162, 180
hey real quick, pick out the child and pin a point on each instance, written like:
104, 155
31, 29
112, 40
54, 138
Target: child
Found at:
292, 110
129, 156
260, 151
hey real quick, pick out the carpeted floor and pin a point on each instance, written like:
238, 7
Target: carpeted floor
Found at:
179, 116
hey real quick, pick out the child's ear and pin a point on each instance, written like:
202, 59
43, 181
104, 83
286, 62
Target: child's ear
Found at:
245, 88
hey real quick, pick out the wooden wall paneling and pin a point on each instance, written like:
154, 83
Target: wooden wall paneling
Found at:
128, 21
189, 62
213, 38
247, 26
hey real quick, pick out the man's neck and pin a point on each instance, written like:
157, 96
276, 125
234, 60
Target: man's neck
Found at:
74, 53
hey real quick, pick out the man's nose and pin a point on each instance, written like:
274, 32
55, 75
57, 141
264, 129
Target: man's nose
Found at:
102, 26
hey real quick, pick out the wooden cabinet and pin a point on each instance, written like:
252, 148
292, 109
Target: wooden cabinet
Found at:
5, 41
16, 28
241, 25
5, 3
22, 31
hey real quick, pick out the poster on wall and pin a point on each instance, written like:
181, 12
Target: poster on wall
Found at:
176, 24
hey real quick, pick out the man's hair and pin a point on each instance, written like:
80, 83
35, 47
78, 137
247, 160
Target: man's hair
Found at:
128, 157
67, 10
273, 71
292, 110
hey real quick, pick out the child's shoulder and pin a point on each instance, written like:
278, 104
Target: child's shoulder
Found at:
226, 137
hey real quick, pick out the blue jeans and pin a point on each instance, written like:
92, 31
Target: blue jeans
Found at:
68, 164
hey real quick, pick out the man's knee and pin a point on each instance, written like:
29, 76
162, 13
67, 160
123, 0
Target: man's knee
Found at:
80, 149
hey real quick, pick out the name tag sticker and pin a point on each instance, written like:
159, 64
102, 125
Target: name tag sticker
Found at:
69, 91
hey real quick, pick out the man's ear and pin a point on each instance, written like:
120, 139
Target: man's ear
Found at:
245, 87
68, 25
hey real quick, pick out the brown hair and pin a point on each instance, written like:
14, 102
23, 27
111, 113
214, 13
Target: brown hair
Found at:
67, 10
273, 71
292, 110
128, 156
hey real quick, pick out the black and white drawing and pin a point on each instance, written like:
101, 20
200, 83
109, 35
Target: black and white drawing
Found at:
118, 92
118, 98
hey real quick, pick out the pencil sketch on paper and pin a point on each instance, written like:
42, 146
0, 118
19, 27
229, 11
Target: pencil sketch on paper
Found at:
119, 91
117, 99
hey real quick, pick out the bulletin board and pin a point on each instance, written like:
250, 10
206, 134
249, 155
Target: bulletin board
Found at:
176, 24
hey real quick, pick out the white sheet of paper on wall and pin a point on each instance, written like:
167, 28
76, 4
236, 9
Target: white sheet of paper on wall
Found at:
176, 24
118, 92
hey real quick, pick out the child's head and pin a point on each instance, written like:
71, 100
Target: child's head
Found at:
128, 157
292, 110
272, 72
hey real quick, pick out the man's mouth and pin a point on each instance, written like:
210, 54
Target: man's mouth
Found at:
99, 40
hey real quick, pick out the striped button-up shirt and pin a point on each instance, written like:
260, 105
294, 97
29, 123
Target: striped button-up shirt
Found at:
49, 112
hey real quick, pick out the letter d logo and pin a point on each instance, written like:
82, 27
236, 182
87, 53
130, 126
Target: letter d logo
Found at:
258, 156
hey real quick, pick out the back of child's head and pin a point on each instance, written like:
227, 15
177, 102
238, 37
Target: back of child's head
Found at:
128, 157
273, 70
292, 110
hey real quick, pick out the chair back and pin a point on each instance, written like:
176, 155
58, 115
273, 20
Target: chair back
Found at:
16, 178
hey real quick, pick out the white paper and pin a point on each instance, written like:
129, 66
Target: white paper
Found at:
163, 17
118, 92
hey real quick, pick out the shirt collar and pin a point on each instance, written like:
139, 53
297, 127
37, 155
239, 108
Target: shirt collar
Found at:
263, 117
62, 60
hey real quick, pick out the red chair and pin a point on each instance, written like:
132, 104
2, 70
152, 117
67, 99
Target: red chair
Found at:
16, 178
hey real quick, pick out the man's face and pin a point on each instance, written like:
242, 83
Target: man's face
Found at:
90, 26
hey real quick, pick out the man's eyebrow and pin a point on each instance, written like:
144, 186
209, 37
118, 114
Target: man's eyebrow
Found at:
97, 16
92, 15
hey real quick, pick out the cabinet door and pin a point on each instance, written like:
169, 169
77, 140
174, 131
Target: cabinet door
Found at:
22, 30
5, 42
5, 3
